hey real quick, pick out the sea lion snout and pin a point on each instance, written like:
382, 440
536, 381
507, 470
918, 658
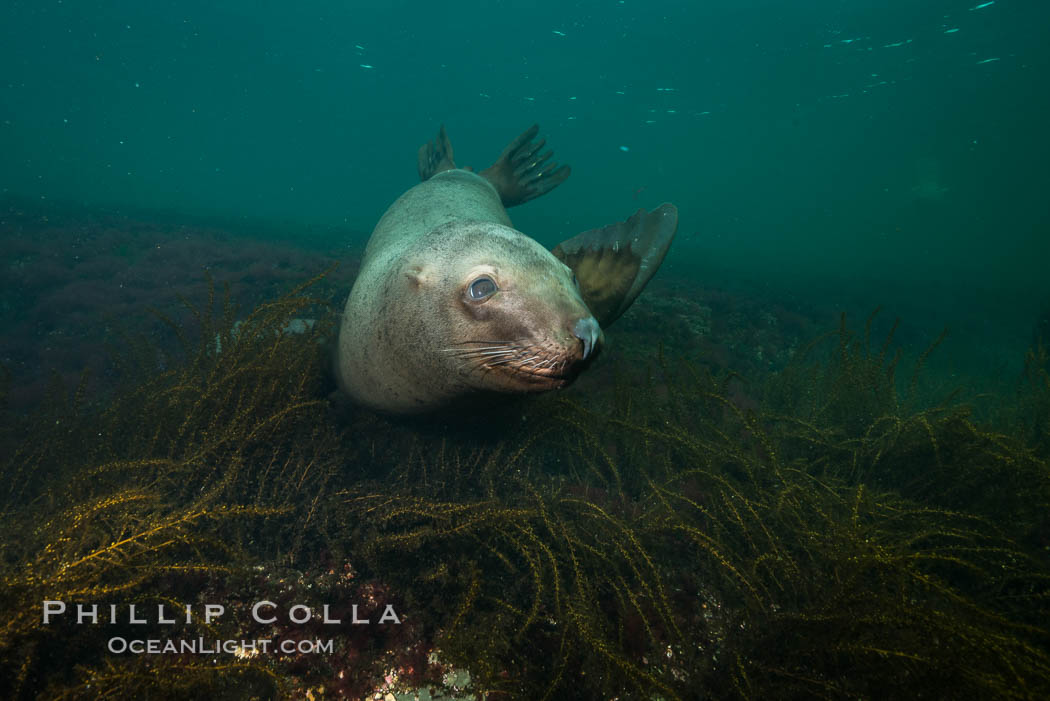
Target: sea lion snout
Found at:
521, 316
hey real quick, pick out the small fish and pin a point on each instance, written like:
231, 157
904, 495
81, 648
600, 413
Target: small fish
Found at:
982, 5
367, 65
953, 30
359, 47
987, 60
625, 149
555, 31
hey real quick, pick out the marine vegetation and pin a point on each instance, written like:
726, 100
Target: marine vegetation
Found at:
677, 546
1032, 413
146, 495
829, 531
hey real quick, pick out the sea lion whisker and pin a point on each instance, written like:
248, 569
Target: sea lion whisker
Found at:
490, 353
470, 350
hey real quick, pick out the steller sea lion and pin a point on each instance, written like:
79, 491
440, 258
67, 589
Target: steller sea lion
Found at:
451, 303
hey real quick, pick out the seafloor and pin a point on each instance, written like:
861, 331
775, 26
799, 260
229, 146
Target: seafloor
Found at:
749, 496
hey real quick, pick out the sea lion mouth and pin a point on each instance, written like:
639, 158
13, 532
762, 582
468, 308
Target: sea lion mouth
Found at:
553, 380
520, 367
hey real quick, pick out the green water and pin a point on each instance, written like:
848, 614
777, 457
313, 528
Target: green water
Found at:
848, 154
851, 141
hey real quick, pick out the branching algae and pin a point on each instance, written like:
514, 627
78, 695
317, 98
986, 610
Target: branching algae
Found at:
166, 484
844, 538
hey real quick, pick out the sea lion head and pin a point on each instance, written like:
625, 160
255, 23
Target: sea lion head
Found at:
497, 311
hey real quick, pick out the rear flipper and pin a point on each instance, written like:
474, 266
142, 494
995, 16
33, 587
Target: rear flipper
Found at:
436, 156
520, 175
614, 263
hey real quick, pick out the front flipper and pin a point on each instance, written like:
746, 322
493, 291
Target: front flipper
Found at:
614, 263
436, 156
521, 173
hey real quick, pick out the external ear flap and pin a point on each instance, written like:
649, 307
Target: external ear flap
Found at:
416, 274
614, 263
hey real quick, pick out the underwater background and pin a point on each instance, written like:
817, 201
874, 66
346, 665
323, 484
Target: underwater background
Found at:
813, 460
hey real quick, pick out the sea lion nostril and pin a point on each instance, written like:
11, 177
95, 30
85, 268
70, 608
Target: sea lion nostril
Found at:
587, 330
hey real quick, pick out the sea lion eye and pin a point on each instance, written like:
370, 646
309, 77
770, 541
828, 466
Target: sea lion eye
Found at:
481, 288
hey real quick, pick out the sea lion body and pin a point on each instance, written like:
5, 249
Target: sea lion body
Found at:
404, 319
452, 303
